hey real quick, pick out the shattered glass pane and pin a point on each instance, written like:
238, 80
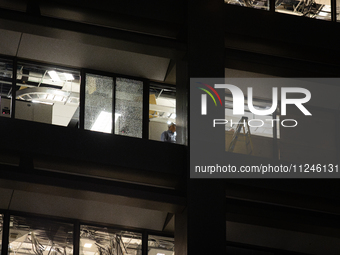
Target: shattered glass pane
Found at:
105, 241
129, 107
98, 103
40, 237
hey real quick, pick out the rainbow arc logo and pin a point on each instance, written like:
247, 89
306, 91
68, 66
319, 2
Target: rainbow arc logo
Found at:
204, 97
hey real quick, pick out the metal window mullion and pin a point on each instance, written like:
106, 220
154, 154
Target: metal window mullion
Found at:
5, 234
76, 237
145, 240
82, 99
14, 84
114, 104
333, 10
272, 5
145, 117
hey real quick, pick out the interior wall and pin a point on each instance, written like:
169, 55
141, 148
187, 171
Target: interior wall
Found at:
156, 129
34, 112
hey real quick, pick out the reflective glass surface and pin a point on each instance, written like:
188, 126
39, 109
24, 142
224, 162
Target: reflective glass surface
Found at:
6, 75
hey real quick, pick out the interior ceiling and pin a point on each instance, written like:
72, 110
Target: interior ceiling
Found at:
80, 55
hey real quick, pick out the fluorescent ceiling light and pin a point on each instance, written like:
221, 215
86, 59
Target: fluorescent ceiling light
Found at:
88, 245
68, 76
54, 76
103, 122
160, 253
50, 96
58, 98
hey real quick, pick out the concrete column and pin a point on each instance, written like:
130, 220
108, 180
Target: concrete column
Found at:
206, 213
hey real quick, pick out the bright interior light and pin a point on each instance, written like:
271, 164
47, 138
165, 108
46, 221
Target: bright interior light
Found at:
103, 122
58, 98
40, 102
173, 115
54, 76
160, 253
88, 245
168, 122
50, 96
68, 76
117, 115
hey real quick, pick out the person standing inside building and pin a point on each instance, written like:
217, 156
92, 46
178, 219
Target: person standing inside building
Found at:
169, 135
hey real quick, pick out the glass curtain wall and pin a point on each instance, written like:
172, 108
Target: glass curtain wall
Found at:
6, 78
107, 241
40, 237
317, 9
51, 95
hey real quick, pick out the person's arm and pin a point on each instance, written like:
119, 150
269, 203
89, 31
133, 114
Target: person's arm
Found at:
165, 136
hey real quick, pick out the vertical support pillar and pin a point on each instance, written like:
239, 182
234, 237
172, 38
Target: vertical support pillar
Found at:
181, 234
206, 215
